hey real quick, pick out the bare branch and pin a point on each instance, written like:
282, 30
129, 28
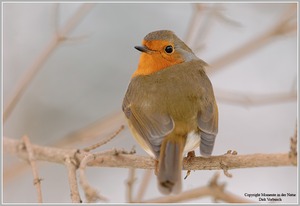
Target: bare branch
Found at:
144, 185
212, 12
130, 182
238, 161
91, 194
251, 99
31, 159
42, 58
193, 23
214, 190
204, 27
284, 26
71, 165
87, 133
219, 192
123, 160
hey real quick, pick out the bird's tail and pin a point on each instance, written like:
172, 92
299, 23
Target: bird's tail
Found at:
170, 165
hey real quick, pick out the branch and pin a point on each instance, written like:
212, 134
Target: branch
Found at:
201, 29
124, 160
213, 189
42, 58
144, 185
130, 181
193, 23
71, 166
248, 99
91, 194
85, 134
284, 26
31, 159
106, 140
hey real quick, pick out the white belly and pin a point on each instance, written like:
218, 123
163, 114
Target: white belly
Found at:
192, 142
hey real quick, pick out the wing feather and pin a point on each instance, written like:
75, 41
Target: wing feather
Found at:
208, 125
151, 127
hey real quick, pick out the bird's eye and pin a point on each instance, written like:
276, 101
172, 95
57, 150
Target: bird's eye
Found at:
169, 49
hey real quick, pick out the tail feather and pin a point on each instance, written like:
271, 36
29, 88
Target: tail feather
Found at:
170, 166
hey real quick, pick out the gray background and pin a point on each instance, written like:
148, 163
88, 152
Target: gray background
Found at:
85, 79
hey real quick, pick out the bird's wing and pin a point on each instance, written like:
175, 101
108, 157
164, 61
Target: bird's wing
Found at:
151, 127
208, 125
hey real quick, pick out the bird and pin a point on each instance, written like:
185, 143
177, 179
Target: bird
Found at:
170, 106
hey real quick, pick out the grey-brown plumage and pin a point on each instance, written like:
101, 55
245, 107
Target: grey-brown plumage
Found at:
172, 110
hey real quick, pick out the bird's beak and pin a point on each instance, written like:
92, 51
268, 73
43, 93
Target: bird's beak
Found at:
143, 49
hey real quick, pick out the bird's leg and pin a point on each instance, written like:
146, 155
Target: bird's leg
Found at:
156, 167
231, 152
189, 156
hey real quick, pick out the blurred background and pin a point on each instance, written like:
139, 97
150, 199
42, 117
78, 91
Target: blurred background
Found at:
75, 98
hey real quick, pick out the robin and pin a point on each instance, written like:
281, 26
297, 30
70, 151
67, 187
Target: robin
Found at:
170, 105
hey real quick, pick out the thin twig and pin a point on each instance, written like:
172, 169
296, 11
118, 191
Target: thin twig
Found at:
71, 166
75, 19
32, 159
93, 130
204, 28
218, 13
144, 185
130, 181
42, 58
91, 194
106, 140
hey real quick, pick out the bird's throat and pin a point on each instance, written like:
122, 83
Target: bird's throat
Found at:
150, 63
